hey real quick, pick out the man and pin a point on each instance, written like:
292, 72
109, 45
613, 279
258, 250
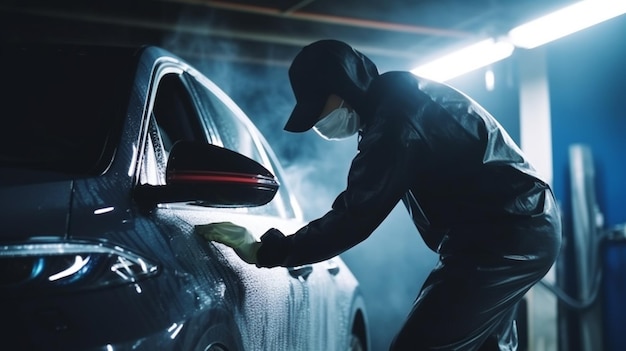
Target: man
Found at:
471, 193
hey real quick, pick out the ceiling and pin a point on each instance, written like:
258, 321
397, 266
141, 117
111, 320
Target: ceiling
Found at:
400, 33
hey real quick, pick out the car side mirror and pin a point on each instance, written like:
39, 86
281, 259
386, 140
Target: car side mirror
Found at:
212, 176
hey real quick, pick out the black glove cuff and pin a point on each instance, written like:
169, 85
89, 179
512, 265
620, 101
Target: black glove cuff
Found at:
274, 249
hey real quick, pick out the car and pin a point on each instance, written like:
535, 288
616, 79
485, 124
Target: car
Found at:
110, 157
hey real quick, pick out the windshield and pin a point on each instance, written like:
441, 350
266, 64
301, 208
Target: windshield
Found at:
62, 107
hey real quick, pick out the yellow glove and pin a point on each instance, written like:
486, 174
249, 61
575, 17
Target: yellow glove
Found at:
230, 234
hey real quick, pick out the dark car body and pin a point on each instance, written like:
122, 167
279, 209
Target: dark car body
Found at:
110, 157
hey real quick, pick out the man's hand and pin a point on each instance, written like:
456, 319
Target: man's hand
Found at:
230, 234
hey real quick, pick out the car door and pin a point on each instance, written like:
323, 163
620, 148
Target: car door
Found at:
321, 318
272, 302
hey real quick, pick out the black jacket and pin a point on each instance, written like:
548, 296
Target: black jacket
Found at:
432, 147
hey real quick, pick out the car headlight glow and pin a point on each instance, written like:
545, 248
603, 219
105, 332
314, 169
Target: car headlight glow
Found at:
69, 266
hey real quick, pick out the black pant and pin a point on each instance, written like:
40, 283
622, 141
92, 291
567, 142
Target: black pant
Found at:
468, 302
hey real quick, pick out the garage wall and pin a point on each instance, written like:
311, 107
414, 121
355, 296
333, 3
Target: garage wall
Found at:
587, 75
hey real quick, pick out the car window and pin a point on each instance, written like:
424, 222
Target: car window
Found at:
236, 133
175, 114
173, 118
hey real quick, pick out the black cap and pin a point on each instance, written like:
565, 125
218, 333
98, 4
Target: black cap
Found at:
323, 68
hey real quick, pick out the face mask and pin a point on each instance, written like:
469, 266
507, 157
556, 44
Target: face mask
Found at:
339, 124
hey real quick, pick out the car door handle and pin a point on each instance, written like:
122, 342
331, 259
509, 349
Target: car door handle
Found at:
301, 272
332, 267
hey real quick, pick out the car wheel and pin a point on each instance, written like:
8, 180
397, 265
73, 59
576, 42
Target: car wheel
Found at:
220, 337
216, 347
356, 344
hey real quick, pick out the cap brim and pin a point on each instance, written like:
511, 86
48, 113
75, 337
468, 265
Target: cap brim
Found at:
304, 116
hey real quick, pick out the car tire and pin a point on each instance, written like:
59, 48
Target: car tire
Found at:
221, 341
220, 337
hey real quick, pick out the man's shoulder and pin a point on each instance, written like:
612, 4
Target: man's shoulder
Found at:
397, 77
397, 87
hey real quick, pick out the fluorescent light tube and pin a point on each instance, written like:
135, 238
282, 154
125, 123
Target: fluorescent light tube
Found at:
568, 20
465, 60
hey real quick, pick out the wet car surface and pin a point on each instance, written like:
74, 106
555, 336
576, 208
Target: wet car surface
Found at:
109, 158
